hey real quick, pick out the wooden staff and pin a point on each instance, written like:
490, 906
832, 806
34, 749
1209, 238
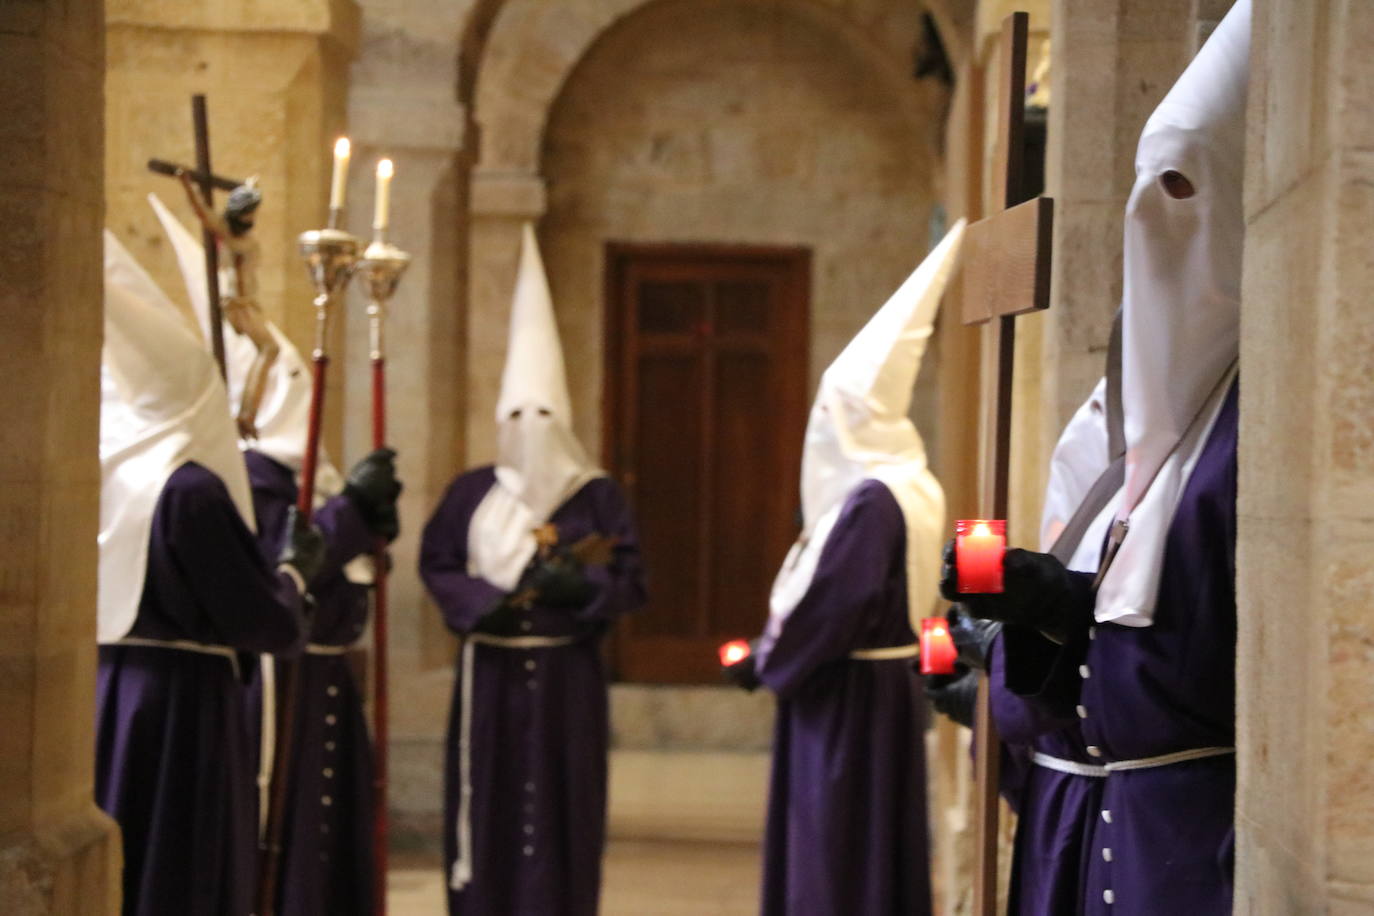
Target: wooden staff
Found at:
200, 120
381, 267
1005, 273
331, 256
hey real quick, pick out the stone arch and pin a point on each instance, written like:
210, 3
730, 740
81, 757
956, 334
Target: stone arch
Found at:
533, 46
515, 63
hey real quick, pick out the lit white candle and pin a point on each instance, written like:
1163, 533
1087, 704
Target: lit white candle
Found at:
383, 210
339, 185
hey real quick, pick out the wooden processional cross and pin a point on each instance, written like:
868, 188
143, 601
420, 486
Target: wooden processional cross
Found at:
202, 176
1005, 273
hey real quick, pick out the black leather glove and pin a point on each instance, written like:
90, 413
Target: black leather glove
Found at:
373, 489
972, 636
559, 582
743, 673
501, 620
305, 548
1038, 592
954, 695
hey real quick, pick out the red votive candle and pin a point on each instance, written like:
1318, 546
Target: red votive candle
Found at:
978, 548
937, 647
734, 652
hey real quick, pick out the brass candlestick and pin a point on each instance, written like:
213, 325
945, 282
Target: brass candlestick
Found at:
381, 267
331, 257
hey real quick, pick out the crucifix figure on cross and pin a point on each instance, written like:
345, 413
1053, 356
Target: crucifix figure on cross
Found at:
231, 229
1005, 273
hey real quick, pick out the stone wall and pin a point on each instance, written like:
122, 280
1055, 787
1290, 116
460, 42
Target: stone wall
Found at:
1305, 800
59, 856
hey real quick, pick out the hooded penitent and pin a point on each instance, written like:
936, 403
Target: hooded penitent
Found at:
860, 429
1181, 302
283, 416
539, 463
162, 404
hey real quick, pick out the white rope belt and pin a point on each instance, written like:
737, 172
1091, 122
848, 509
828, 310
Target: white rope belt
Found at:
1164, 760
318, 649
1144, 763
267, 739
1068, 766
886, 653
184, 645
462, 865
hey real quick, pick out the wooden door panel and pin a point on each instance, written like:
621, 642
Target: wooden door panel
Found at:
705, 408
743, 495
663, 485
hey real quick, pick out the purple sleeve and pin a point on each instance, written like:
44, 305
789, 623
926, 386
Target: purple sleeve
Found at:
251, 605
620, 583
1043, 672
1019, 720
462, 599
344, 531
846, 593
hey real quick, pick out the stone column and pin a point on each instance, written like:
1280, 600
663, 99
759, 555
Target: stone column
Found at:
58, 853
1305, 585
275, 76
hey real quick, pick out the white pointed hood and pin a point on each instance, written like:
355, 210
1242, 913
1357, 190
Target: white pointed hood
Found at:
162, 405
539, 463
860, 429
1181, 302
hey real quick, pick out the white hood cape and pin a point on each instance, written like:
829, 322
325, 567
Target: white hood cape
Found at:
1181, 304
1080, 457
162, 404
540, 463
860, 430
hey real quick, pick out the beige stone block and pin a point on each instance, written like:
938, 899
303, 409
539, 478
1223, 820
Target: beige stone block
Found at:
681, 795
1350, 345
1340, 556
337, 17
1278, 427
648, 717
1289, 141
1283, 667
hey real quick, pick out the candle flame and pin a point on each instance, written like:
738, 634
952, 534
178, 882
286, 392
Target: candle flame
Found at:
385, 169
734, 651
981, 530
342, 148
937, 631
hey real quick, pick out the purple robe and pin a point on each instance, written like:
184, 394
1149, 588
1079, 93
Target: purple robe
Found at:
1055, 809
1163, 839
173, 762
539, 722
847, 825
327, 853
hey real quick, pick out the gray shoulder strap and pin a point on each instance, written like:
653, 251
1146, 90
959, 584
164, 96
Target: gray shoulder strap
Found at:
1114, 476
1116, 417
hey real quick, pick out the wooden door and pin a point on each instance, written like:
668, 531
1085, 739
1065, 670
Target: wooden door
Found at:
706, 407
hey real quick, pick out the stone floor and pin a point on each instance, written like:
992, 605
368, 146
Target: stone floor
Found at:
642, 878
